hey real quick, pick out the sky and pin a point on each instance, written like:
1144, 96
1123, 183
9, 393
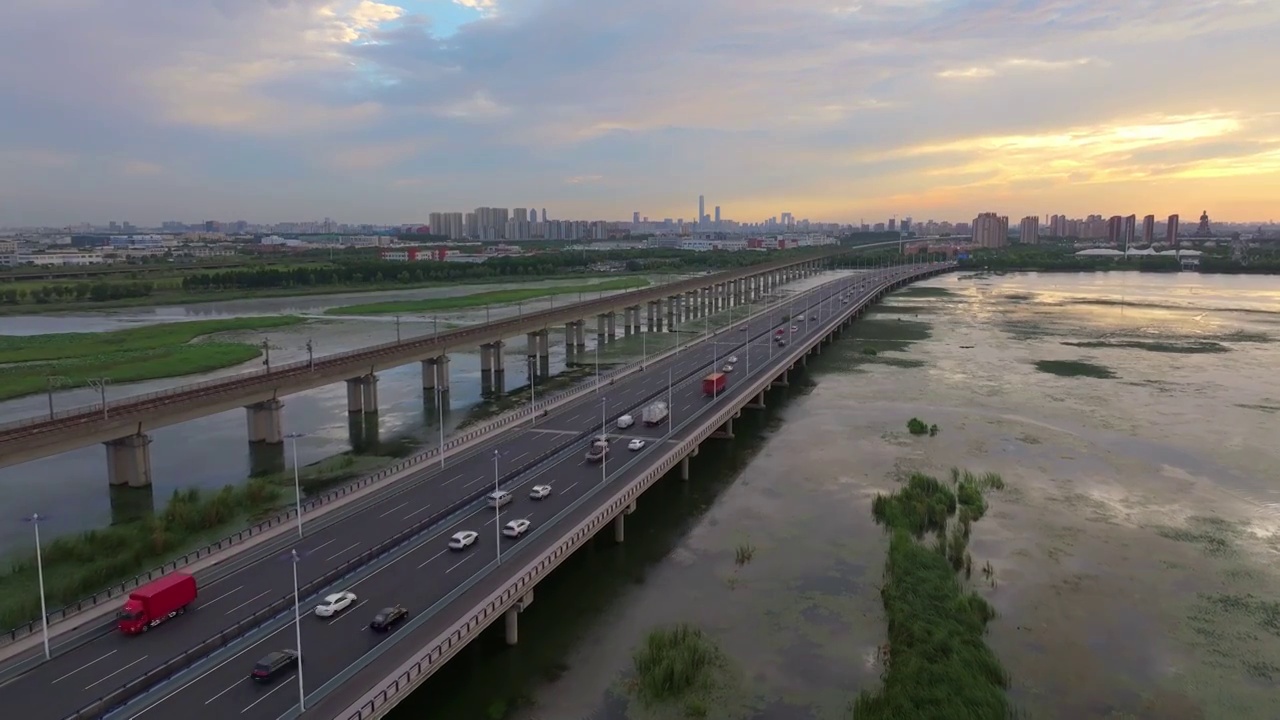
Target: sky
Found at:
834, 110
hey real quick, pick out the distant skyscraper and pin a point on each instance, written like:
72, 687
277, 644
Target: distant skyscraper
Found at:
1029, 230
1148, 229
1171, 230
893, 224
544, 214
1130, 230
991, 230
702, 208
1115, 229
717, 217
635, 218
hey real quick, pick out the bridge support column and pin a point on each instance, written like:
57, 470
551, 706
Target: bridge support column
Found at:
602, 328
487, 353
442, 373
651, 319
511, 618
725, 432
544, 354
264, 422
672, 305
613, 326
429, 376
129, 461
784, 380
362, 394
570, 346
684, 464
499, 369
758, 403
620, 528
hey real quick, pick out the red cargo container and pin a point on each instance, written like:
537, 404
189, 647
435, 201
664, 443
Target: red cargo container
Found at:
156, 602
714, 383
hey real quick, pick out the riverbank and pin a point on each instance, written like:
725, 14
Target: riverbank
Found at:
495, 297
32, 364
168, 291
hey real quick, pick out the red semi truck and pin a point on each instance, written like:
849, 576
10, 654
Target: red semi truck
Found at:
714, 383
157, 601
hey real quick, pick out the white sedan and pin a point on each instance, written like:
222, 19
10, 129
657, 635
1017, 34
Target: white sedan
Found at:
636, 444
516, 528
463, 540
732, 359
335, 603
539, 492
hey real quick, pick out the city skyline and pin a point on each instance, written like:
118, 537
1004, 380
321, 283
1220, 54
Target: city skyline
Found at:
385, 112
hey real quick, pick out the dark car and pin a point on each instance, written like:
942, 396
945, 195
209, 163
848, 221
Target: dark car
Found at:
277, 663
388, 618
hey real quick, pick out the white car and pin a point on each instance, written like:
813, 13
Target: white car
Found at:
539, 491
794, 329
463, 540
742, 329
335, 603
728, 368
636, 444
625, 422
516, 528
732, 359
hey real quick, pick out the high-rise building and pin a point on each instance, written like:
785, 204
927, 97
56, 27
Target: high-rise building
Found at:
1148, 229
1029, 230
1171, 230
635, 217
906, 225
893, 224
544, 214
1115, 229
991, 230
702, 208
1130, 231
717, 225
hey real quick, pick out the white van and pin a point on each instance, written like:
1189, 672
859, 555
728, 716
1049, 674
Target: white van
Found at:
498, 498
625, 422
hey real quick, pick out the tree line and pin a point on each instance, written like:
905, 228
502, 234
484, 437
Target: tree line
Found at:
77, 292
376, 272
1033, 257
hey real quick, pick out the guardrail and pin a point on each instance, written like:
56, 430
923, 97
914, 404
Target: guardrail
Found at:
132, 404
451, 642
289, 514
145, 682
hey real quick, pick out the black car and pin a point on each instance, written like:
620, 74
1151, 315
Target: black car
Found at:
388, 618
277, 663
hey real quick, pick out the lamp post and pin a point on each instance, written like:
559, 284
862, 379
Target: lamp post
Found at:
671, 408
35, 519
397, 329
440, 410
532, 399
53, 382
497, 511
297, 630
297, 480
311, 356
266, 348
101, 385
604, 433
597, 364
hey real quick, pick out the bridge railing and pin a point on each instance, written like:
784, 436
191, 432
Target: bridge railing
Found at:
451, 642
441, 340
289, 515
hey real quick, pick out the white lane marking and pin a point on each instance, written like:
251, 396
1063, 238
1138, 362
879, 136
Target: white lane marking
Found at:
566, 490
415, 512
117, 672
314, 549
202, 675
406, 502
343, 550
273, 691
73, 672
347, 612
459, 563
207, 603
224, 692
433, 557
246, 602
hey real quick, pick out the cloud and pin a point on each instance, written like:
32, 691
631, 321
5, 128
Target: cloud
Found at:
383, 111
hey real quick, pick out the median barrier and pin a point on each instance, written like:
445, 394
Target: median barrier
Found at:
122, 589
448, 644
133, 404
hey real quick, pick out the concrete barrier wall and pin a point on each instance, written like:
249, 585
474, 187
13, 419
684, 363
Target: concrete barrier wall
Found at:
416, 671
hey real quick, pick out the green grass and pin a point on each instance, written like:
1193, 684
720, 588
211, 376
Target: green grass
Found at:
492, 297
1074, 368
938, 665
77, 566
918, 291
673, 664
136, 354
884, 335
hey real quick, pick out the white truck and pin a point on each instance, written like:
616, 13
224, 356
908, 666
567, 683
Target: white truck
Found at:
655, 413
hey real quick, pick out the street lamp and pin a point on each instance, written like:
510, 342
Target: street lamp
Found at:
497, 511
671, 408
35, 519
397, 329
440, 410
101, 385
604, 433
297, 630
311, 356
53, 382
266, 348
597, 363
297, 481
532, 399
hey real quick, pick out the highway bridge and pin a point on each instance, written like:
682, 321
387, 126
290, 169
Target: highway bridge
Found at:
392, 548
122, 425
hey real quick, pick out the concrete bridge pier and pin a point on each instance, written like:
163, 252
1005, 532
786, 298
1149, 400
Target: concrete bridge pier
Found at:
570, 347
602, 328
511, 618
429, 377
265, 425
362, 394
783, 380
684, 464
758, 403
487, 353
619, 523
499, 368
613, 325
635, 320
129, 461
544, 354
726, 431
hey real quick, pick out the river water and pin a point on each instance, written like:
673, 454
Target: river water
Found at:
72, 491
1133, 555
